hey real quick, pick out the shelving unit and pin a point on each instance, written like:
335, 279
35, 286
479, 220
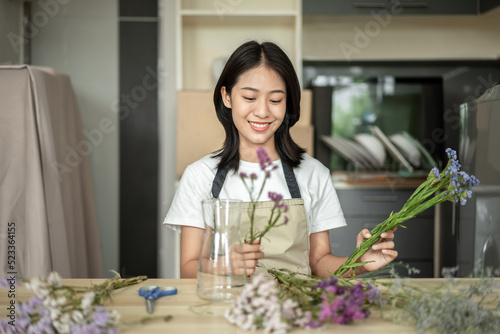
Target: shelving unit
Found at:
212, 30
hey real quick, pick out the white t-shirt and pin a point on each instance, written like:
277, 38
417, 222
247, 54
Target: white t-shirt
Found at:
316, 188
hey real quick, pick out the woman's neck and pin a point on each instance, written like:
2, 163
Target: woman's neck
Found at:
250, 153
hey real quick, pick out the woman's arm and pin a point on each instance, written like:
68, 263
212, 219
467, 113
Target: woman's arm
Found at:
191, 240
323, 263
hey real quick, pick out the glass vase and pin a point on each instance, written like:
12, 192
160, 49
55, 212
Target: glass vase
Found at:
221, 271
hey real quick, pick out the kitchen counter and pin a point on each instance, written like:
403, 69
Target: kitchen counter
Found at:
367, 180
193, 315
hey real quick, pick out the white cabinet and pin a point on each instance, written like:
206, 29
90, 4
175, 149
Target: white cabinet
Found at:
212, 30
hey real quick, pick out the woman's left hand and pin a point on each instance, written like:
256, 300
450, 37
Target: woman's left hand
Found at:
381, 253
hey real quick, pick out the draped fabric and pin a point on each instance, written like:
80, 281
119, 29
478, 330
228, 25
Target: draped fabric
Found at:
46, 191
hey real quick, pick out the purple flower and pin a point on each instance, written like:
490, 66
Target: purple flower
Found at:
342, 305
101, 317
265, 161
85, 329
276, 198
30, 307
5, 327
243, 175
253, 176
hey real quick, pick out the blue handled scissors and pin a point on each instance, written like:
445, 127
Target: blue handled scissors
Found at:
152, 292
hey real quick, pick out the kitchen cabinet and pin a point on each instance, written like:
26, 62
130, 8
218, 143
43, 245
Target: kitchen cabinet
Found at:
209, 31
366, 208
395, 7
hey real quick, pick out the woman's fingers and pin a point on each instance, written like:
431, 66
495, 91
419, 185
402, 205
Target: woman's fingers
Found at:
252, 253
384, 245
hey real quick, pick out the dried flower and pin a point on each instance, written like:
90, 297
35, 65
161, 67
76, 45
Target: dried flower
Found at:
450, 185
266, 166
259, 307
450, 307
454, 306
56, 308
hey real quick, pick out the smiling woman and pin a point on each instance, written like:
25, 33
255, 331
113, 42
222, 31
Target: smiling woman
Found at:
257, 100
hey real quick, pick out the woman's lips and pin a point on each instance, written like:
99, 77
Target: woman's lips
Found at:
259, 126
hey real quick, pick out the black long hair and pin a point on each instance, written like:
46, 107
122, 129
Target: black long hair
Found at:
246, 57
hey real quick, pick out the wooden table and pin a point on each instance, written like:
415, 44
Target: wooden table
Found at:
193, 315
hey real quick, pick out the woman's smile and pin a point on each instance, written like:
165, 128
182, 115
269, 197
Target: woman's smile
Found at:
260, 126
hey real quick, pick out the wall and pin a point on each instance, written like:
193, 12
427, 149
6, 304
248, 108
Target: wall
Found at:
10, 28
80, 38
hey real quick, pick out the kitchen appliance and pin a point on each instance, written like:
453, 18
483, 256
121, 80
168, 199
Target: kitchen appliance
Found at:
478, 223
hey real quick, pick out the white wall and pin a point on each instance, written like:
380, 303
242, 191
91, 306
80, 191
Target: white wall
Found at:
80, 38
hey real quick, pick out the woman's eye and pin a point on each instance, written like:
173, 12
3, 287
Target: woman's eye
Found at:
249, 98
276, 101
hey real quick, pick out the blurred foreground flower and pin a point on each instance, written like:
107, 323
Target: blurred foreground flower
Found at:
56, 308
300, 302
451, 184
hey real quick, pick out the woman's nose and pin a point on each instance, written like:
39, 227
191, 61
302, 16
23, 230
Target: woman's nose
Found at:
261, 109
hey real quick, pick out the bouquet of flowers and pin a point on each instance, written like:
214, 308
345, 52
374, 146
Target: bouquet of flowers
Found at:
57, 308
451, 184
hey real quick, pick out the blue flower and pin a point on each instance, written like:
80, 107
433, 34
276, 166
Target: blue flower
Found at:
435, 170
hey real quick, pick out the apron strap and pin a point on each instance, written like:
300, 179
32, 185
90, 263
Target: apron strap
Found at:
291, 181
290, 178
219, 179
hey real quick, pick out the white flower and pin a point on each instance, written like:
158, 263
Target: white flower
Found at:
63, 324
114, 317
87, 300
38, 287
54, 279
54, 313
78, 317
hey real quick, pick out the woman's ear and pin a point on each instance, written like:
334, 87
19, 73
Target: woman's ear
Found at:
226, 98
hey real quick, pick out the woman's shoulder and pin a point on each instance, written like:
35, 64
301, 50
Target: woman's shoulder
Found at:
310, 163
204, 168
208, 163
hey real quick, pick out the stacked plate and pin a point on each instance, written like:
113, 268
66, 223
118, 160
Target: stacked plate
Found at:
352, 152
373, 146
407, 148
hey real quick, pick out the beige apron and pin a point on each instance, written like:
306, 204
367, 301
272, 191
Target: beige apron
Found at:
285, 246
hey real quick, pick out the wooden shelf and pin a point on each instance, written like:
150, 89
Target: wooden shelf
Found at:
209, 31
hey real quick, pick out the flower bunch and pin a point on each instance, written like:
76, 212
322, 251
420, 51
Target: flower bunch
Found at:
259, 307
341, 304
266, 165
300, 302
451, 184
56, 308
450, 307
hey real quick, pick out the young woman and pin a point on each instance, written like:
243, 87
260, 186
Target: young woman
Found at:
257, 100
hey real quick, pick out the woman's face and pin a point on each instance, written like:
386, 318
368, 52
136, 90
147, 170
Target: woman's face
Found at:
258, 104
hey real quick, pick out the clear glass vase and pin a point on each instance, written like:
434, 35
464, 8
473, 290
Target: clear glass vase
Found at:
221, 271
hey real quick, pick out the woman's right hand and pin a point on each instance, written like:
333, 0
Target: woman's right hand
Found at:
252, 253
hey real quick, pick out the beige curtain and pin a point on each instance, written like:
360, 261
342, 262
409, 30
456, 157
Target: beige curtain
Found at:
45, 182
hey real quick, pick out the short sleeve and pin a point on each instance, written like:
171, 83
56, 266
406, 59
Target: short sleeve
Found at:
194, 187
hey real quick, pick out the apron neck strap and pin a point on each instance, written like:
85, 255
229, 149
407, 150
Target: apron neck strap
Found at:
290, 178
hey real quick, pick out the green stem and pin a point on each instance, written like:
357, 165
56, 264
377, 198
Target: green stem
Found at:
415, 205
